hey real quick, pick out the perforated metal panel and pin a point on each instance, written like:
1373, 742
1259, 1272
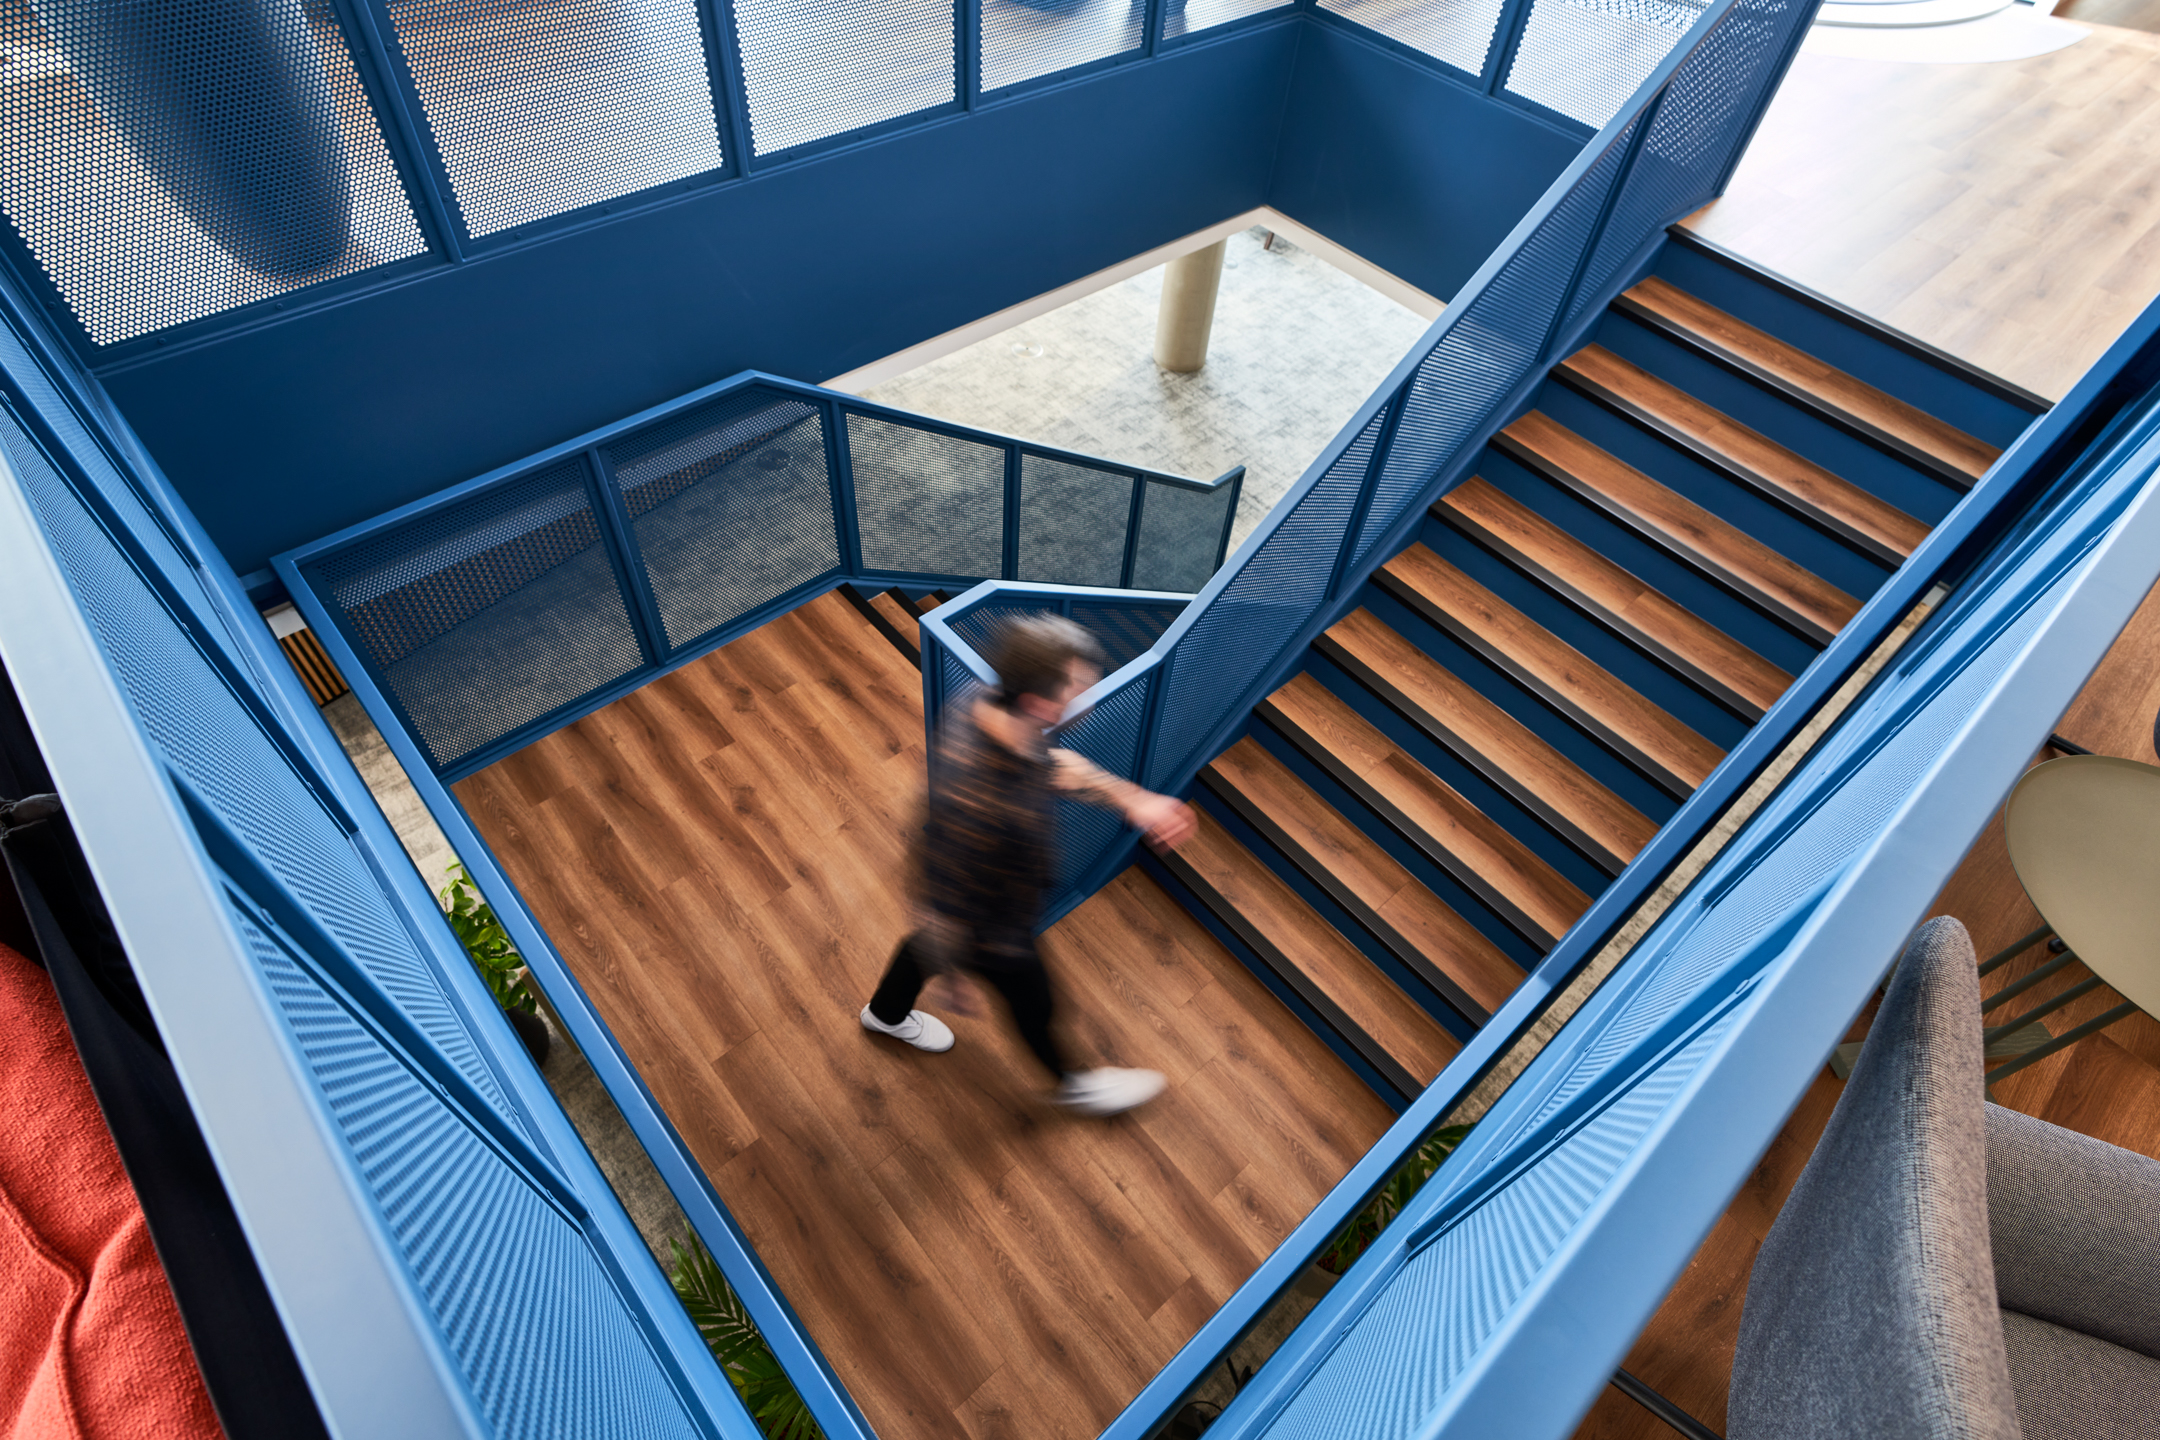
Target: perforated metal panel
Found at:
813, 69
1180, 535
167, 162
533, 1321
925, 501
543, 106
1693, 133
1073, 522
1459, 32
202, 730
1253, 617
731, 505
1183, 17
1109, 736
1125, 629
1488, 351
1025, 39
485, 615
1585, 58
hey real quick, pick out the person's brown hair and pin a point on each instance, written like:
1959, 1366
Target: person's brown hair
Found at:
1033, 655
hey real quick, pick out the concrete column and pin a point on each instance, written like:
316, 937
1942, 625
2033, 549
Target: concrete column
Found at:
1190, 283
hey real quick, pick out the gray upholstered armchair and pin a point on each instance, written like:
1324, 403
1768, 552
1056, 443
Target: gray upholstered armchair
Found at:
1948, 1268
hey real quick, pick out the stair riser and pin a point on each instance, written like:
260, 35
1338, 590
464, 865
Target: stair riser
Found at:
1410, 856
1497, 686
1499, 544
1853, 350
1649, 675
1916, 492
1739, 505
1833, 525
1312, 1019
1487, 768
1437, 995
1651, 563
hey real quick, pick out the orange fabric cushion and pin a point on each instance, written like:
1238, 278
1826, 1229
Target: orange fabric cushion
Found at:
92, 1344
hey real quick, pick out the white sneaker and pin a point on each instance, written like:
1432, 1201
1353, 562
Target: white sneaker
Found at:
922, 1030
1109, 1091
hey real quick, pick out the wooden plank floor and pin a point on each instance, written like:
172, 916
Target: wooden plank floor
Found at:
2008, 213
717, 856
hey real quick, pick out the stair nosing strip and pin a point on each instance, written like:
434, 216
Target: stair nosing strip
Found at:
1732, 468
1799, 395
1677, 786
1617, 623
1489, 769
1309, 990
1425, 844
1804, 626
1396, 943
2007, 391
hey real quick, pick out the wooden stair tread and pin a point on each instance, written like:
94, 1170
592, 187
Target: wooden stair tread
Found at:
1645, 734
1798, 596
1914, 433
1883, 530
898, 614
1352, 867
1489, 862
1489, 740
1271, 916
1675, 634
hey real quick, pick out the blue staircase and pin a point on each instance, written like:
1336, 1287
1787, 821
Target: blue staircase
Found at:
1494, 724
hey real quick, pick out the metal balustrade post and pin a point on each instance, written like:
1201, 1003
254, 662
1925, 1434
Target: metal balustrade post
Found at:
723, 70
1132, 533
1507, 36
405, 128
967, 52
1011, 551
847, 523
1346, 553
615, 532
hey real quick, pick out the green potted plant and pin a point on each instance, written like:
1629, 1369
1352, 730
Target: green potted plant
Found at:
745, 1358
488, 944
1366, 1225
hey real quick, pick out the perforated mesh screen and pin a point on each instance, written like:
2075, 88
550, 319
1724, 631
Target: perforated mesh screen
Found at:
1183, 17
1487, 351
562, 1357
487, 614
204, 733
167, 162
1024, 39
818, 68
1253, 617
925, 501
1109, 736
1180, 535
1585, 58
1457, 31
542, 106
1073, 522
731, 504
1124, 629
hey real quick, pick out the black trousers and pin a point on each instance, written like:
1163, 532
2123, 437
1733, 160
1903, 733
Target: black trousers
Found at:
1020, 979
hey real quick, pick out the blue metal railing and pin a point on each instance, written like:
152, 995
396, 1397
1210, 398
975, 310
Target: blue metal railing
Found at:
1511, 1287
640, 546
1662, 156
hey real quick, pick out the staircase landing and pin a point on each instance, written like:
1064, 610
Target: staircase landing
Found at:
718, 858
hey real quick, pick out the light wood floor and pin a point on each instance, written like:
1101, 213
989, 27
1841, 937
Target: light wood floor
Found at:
2008, 213
717, 856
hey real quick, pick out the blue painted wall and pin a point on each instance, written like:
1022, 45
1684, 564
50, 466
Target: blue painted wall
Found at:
1420, 174
279, 434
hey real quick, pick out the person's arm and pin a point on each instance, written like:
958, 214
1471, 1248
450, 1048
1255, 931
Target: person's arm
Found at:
1167, 823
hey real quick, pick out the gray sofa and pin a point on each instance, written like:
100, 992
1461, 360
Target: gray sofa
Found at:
1948, 1268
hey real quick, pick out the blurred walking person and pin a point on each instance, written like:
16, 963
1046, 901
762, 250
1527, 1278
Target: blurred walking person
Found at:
988, 852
